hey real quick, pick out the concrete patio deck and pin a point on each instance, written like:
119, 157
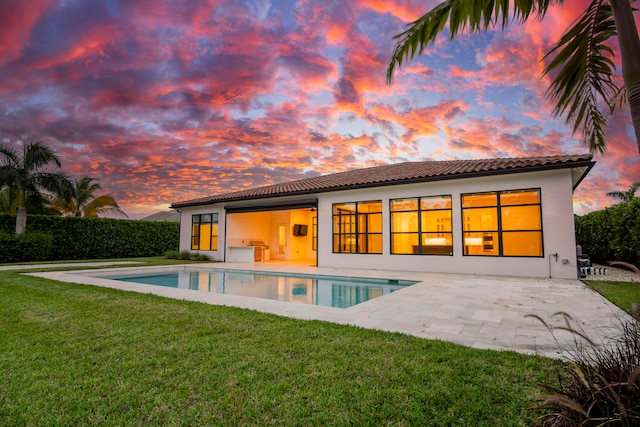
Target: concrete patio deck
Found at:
476, 311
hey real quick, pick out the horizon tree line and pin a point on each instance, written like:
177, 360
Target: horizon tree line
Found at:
32, 180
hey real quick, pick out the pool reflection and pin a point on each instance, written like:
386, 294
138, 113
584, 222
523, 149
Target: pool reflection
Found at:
326, 292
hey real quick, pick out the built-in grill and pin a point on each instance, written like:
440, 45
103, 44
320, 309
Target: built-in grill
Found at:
261, 251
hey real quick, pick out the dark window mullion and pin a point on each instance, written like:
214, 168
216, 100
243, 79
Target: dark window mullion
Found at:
500, 251
419, 226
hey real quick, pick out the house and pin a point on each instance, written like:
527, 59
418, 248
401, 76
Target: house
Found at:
508, 216
163, 216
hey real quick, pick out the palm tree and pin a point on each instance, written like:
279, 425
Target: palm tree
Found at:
28, 173
626, 196
82, 202
582, 63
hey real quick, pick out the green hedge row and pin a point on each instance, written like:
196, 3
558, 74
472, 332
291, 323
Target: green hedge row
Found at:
25, 247
89, 238
612, 234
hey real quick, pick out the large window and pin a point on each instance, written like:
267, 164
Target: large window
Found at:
357, 227
502, 223
204, 232
421, 225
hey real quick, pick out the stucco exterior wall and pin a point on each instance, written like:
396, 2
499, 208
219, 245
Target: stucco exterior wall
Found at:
557, 227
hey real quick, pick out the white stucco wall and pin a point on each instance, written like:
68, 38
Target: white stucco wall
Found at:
185, 229
557, 224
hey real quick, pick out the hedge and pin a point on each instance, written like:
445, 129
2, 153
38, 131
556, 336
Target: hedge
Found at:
93, 238
30, 246
612, 234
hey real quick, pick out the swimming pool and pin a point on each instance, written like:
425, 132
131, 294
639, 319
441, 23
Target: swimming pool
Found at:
330, 291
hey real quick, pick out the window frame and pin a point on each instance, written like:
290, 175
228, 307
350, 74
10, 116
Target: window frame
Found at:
354, 220
499, 231
213, 236
420, 233
314, 233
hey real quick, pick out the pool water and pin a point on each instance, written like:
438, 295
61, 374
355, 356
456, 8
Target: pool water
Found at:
341, 292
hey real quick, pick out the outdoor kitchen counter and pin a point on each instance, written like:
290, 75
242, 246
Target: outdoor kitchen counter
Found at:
243, 253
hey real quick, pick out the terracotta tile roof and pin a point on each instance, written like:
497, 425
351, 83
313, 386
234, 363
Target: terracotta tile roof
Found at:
400, 173
170, 216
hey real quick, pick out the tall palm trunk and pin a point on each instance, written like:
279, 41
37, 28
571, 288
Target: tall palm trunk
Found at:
630, 54
21, 217
21, 220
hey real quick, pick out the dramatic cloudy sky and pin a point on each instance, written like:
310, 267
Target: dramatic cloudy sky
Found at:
167, 100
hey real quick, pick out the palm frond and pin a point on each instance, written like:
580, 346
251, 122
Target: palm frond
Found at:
462, 15
584, 80
104, 204
37, 155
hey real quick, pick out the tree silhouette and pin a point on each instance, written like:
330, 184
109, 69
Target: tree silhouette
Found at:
582, 68
82, 202
28, 173
625, 196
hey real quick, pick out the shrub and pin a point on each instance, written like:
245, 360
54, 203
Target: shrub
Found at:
601, 385
612, 234
171, 254
32, 246
86, 238
188, 256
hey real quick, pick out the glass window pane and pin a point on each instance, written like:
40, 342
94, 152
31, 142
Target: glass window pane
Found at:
344, 243
438, 202
214, 237
520, 197
436, 221
195, 236
521, 218
437, 244
404, 243
481, 244
205, 237
370, 243
214, 217
479, 199
375, 243
344, 208
375, 224
404, 221
404, 205
480, 219
205, 218
195, 219
370, 206
523, 243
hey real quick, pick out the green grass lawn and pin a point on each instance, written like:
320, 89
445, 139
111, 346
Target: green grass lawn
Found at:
77, 355
622, 294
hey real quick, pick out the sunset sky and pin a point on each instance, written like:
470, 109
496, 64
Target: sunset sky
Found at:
169, 100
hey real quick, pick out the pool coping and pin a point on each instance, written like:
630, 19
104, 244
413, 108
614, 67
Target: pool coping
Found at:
487, 312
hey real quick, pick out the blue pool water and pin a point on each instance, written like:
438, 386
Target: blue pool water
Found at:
341, 292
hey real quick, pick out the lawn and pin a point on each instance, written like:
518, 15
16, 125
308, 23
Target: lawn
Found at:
77, 355
622, 294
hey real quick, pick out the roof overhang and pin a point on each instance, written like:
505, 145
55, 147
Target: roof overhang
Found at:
273, 206
578, 173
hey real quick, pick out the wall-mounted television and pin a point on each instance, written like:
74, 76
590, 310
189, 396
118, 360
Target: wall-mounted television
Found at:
300, 229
